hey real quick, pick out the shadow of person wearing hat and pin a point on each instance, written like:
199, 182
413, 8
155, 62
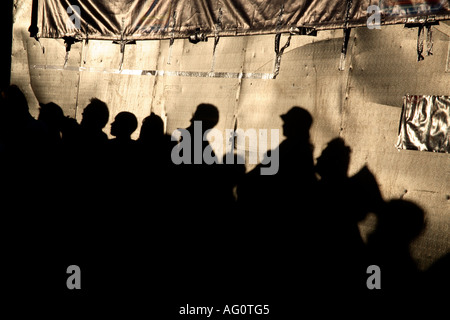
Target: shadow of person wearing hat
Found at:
295, 175
273, 204
337, 215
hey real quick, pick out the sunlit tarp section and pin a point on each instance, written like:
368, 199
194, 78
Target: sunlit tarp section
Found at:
160, 19
425, 124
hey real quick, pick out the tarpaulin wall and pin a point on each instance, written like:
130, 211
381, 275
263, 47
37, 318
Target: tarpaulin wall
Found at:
362, 104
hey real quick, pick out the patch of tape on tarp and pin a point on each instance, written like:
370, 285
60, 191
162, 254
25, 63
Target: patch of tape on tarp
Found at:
193, 74
347, 31
218, 27
420, 44
122, 42
279, 51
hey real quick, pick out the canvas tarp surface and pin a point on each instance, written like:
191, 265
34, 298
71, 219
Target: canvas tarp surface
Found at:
158, 19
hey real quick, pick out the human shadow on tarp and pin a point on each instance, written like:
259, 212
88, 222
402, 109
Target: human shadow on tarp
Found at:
95, 116
195, 199
272, 206
23, 159
22, 134
295, 174
399, 222
121, 160
198, 188
52, 116
86, 146
331, 231
154, 149
31, 198
123, 209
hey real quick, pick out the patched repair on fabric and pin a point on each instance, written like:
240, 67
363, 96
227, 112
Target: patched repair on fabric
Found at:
425, 123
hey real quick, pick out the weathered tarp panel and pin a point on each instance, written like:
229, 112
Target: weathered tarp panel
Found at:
158, 19
425, 124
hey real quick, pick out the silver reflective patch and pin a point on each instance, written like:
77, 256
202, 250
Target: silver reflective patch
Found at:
424, 124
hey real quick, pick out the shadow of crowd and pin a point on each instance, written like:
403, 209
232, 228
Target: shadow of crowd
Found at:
120, 206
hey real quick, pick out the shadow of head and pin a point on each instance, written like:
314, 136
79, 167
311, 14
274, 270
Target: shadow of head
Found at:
334, 160
51, 114
125, 123
152, 127
297, 123
208, 114
95, 115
